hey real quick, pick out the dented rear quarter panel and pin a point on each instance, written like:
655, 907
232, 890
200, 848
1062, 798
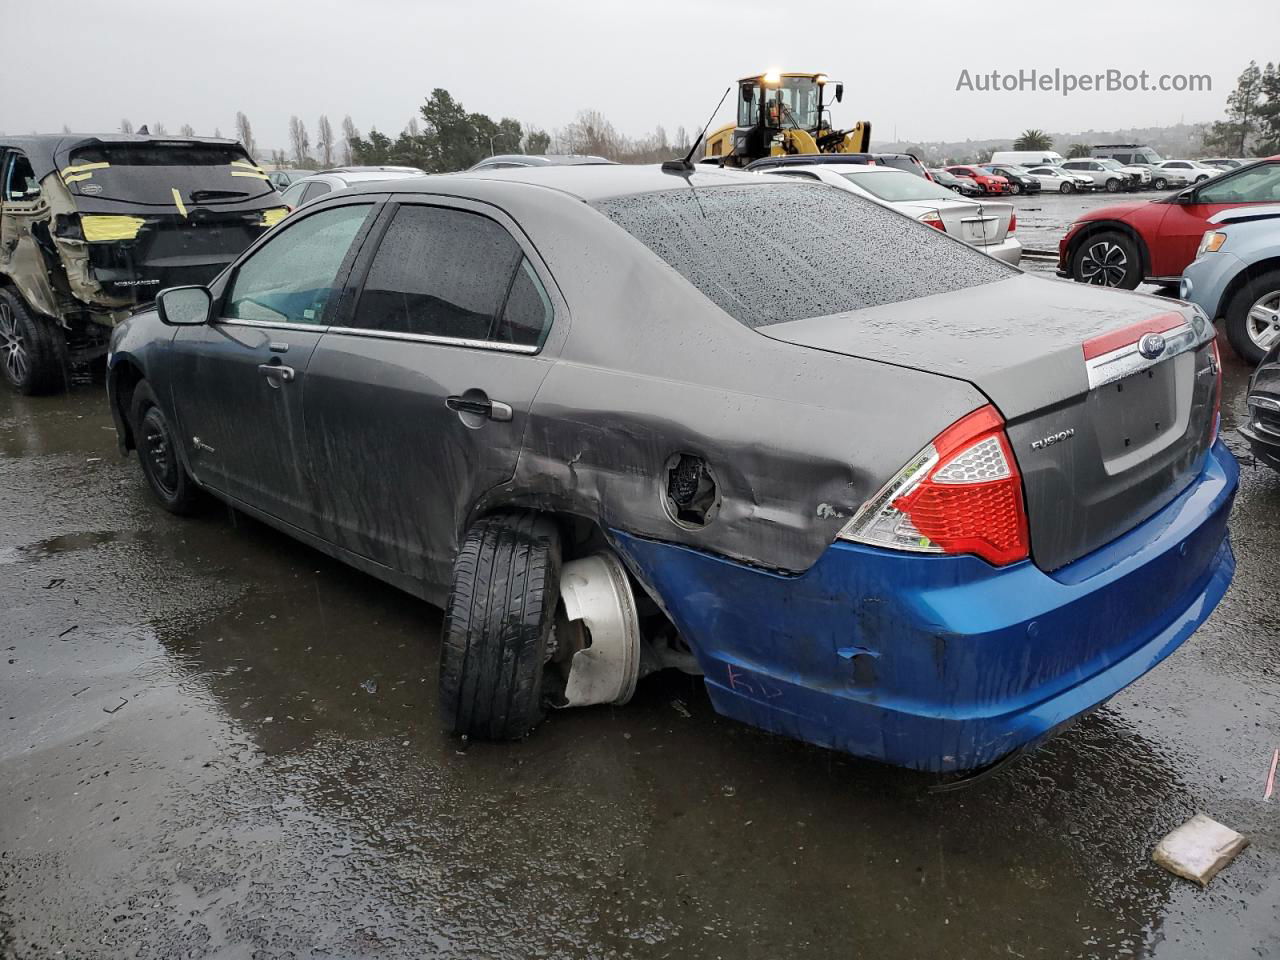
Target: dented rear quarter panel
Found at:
796, 438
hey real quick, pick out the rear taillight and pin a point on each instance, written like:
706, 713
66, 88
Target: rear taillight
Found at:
1013, 221
1217, 391
960, 494
933, 219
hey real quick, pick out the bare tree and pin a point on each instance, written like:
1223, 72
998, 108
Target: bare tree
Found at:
591, 133
65, 128
126, 126
324, 140
299, 140
349, 133
217, 132
244, 133
278, 159
412, 129
188, 130
160, 130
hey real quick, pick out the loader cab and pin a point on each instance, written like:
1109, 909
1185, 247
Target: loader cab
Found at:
770, 103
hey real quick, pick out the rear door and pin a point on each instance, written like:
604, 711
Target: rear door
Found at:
416, 405
239, 380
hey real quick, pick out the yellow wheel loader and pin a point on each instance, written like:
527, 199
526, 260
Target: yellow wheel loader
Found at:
783, 114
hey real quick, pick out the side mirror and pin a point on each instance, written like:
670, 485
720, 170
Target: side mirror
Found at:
839, 92
748, 92
184, 306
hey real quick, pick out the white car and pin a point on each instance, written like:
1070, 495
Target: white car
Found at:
1061, 180
989, 226
1108, 174
1193, 171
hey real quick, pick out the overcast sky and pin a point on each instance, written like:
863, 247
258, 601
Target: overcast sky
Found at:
640, 63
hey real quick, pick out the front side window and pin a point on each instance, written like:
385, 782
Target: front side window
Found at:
20, 184
293, 277
449, 273
1255, 185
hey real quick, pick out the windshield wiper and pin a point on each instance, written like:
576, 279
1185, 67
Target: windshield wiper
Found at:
198, 195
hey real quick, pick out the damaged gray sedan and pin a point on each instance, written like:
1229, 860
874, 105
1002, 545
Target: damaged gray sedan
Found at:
885, 493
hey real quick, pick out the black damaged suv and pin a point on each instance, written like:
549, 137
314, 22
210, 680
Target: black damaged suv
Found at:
91, 227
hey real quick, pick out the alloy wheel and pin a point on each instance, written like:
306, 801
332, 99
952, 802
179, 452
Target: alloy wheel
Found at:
1263, 323
13, 346
1104, 263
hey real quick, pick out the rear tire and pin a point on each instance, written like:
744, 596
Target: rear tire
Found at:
1108, 259
498, 625
158, 454
1246, 321
33, 349
1113, 185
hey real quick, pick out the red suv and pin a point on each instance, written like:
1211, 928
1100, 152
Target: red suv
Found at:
1154, 240
988, 181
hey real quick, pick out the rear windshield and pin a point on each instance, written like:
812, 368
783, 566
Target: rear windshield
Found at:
898, 186
901, 163
149, 174
793, 250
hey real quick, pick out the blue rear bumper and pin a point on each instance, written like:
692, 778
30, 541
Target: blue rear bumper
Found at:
945, 663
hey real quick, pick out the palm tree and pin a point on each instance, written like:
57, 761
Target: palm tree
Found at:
1077, 150
1033, 140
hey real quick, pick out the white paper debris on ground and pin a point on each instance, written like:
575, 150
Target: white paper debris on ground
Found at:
1198, 849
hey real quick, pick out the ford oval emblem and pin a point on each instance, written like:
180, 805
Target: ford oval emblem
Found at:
1151, 345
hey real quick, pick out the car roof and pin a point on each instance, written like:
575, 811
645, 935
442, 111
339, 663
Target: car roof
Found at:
589, 182
861, 169
812, 158
47, 152
543, 159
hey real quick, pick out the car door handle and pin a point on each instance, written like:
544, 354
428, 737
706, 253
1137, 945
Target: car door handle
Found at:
276, 373
493, 409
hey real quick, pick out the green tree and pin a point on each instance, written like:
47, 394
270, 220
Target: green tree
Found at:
1244, 106
1077, 150
1033, 140
1269, 111
537, 141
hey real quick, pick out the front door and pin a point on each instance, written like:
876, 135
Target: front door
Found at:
417, 406
240, 378
1185, 224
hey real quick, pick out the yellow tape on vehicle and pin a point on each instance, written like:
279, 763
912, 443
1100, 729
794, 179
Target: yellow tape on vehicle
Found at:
177, 201
247, 164
273, 216
84, 171
103, 229
246, 173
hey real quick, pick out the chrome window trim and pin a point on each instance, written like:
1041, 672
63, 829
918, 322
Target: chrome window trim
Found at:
270, 324
527, 349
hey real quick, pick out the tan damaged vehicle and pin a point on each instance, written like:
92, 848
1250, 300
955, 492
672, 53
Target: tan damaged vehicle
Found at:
92, 227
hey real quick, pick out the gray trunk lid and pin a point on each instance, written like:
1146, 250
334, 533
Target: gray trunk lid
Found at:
1104, 437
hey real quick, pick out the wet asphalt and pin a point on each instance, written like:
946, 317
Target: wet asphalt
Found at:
215, 742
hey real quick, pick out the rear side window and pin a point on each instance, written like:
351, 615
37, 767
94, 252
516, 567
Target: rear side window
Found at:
450, 273
790, 250
317, 188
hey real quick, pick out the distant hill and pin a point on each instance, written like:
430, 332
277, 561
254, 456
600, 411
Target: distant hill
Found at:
1180, 140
